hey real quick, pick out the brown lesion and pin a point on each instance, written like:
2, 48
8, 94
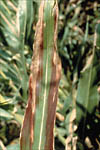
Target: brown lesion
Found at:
52, 102
37, 61
26, 138
27, 132
53, 92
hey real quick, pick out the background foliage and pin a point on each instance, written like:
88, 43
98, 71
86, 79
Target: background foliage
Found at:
78, 108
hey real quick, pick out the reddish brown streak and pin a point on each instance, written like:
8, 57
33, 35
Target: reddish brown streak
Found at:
28, 123
27, 134
37, 62
53, 93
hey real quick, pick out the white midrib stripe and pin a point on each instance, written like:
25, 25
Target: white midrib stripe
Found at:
44, 98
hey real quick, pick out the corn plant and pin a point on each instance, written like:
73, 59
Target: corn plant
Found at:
77, 112
39, 119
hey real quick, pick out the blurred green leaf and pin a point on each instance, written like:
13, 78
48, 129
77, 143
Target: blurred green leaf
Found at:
19, 118
98, 35
29, 19
13, 147
5, 114
87, 96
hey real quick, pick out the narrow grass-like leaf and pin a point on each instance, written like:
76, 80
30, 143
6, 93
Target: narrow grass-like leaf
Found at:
8, 26
97, 44
87, 96
37, 130
29, 19
21, 20
14, 30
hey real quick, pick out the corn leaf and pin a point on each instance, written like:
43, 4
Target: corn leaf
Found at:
37, 129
